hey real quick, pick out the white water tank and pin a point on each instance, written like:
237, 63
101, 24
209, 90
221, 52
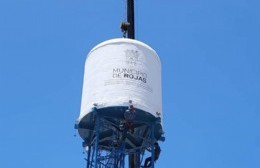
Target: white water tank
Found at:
120, 70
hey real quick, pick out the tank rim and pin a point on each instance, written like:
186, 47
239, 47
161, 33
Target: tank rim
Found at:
125, 40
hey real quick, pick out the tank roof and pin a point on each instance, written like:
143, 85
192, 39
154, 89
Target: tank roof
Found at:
125, 40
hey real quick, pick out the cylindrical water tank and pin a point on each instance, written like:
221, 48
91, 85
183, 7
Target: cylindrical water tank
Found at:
120, 70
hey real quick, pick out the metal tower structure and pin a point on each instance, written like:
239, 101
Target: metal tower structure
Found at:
112, 132
113, 138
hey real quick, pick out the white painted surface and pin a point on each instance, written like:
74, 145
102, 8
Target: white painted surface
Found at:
120, 70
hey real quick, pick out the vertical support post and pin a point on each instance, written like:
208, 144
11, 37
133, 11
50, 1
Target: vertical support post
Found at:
152, 145
97, 137
137, 158
130, 19
134, 160
122, 155
88, 159
131, 161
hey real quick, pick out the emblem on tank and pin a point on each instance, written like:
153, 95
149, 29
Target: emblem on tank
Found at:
131, 57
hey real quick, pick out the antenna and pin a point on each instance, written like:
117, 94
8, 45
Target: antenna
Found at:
134, 158
130, 19
128, 27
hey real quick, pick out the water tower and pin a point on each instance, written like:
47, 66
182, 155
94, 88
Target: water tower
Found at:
121, 107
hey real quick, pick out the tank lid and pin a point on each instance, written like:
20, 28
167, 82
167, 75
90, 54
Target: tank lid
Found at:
124, 40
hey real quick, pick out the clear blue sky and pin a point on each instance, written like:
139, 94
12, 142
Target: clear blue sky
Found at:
210, 52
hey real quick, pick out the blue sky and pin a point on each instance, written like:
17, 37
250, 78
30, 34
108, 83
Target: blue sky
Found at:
210, 56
